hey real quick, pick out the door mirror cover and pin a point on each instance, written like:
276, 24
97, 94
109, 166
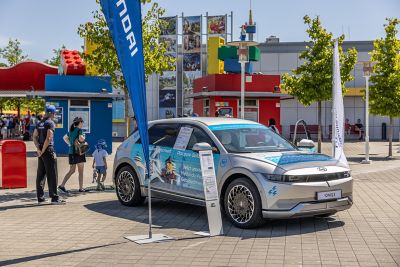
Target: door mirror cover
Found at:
201, 147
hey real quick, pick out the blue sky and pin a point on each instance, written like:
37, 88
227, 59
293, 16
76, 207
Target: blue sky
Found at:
47, 24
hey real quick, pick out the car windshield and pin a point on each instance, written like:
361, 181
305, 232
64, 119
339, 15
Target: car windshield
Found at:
248, 138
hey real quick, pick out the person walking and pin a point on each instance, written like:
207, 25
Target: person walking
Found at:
75, 159
100, 163
43, 138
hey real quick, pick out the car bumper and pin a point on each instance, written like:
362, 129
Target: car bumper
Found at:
307, 209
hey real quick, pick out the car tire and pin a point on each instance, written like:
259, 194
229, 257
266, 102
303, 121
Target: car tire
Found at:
127, 187
242, 204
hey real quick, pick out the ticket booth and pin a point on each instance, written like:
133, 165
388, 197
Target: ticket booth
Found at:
89, 97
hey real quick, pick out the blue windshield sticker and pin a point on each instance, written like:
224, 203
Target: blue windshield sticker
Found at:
297, 158
235, 126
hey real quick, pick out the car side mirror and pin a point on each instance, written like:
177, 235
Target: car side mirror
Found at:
306, 143
201, 147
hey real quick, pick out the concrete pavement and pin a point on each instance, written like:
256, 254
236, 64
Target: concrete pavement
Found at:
90, 229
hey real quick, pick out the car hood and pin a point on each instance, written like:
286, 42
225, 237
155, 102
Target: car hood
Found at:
293, 159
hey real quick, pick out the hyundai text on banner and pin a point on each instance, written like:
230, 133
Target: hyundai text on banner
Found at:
124, 20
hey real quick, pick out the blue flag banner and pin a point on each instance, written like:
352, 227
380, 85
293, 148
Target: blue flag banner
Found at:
124, 19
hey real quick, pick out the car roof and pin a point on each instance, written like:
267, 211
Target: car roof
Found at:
208, 121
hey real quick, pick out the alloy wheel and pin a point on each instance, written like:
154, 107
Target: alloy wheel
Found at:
240, 204
126, 186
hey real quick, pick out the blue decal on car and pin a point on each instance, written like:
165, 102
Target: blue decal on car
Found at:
236, 126
223, 162
297, 158
273, 191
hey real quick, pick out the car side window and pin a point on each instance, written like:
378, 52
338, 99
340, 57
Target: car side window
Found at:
199, 136
163, 134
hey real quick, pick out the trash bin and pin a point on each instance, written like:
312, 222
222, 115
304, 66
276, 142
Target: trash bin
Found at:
384, 131
13, 164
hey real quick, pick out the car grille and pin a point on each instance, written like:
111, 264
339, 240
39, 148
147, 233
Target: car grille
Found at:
317, 177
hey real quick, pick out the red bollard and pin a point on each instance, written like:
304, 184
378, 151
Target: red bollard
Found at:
13, 164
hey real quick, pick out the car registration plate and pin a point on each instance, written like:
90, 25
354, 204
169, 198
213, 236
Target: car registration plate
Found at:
329, 195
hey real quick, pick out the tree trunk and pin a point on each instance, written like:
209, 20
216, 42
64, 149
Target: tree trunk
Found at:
319, 107
390, 137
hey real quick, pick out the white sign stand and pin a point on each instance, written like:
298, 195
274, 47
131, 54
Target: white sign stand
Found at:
150, 238
211, 194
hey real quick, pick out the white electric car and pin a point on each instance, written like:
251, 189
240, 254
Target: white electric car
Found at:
259, 173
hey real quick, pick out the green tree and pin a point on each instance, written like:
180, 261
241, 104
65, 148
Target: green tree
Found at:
384, 92
312, 81
104, 57
17, 103
13, 53
35, 105
56, 59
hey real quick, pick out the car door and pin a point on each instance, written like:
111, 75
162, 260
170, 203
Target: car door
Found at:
187, 163
162, 173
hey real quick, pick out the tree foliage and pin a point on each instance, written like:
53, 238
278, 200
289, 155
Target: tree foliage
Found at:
385, 83
385, 89
13, 53
104, 56
312, 81
56, 59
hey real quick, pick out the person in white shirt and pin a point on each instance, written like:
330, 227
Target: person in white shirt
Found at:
100, 163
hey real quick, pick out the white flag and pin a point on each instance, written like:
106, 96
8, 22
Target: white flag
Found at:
338, 110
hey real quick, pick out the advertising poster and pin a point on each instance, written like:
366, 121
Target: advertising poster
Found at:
192, 25
168, 80
191, 43
168, 26
58, 118
216, 25
167, 98
170, 43
84, 113
188, 78
191, 62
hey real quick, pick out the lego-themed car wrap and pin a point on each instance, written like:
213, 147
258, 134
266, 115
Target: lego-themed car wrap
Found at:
172, 169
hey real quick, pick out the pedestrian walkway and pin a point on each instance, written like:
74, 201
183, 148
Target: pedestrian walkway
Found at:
90, 229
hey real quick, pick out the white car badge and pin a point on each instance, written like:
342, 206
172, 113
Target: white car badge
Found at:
322, 169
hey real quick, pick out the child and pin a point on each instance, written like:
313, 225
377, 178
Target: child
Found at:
99, 161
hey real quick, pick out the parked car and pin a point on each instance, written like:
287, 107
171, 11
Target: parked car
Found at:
259, 173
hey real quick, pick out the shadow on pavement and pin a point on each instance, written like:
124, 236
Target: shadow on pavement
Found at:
174, 215
28, 199
53, 254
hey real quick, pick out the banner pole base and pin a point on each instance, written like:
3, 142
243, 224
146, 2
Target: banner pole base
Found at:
145, 239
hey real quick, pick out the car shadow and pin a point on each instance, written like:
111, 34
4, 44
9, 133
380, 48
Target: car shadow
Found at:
174, 215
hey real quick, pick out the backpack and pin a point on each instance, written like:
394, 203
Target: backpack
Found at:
81, 148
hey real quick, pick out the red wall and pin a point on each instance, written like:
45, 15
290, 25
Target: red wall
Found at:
24, 75
231, 82
267, 109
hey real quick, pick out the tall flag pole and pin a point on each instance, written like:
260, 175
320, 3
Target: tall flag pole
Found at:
338, 110
124, 19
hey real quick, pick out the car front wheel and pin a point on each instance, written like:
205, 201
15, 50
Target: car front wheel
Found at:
127, 187
242, 204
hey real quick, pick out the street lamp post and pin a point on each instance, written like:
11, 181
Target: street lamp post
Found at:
367, 69
243, 59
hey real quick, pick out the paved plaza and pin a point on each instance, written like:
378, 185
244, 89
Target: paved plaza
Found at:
90, 229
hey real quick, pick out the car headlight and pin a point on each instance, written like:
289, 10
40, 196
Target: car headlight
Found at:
281, 178
347, 174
